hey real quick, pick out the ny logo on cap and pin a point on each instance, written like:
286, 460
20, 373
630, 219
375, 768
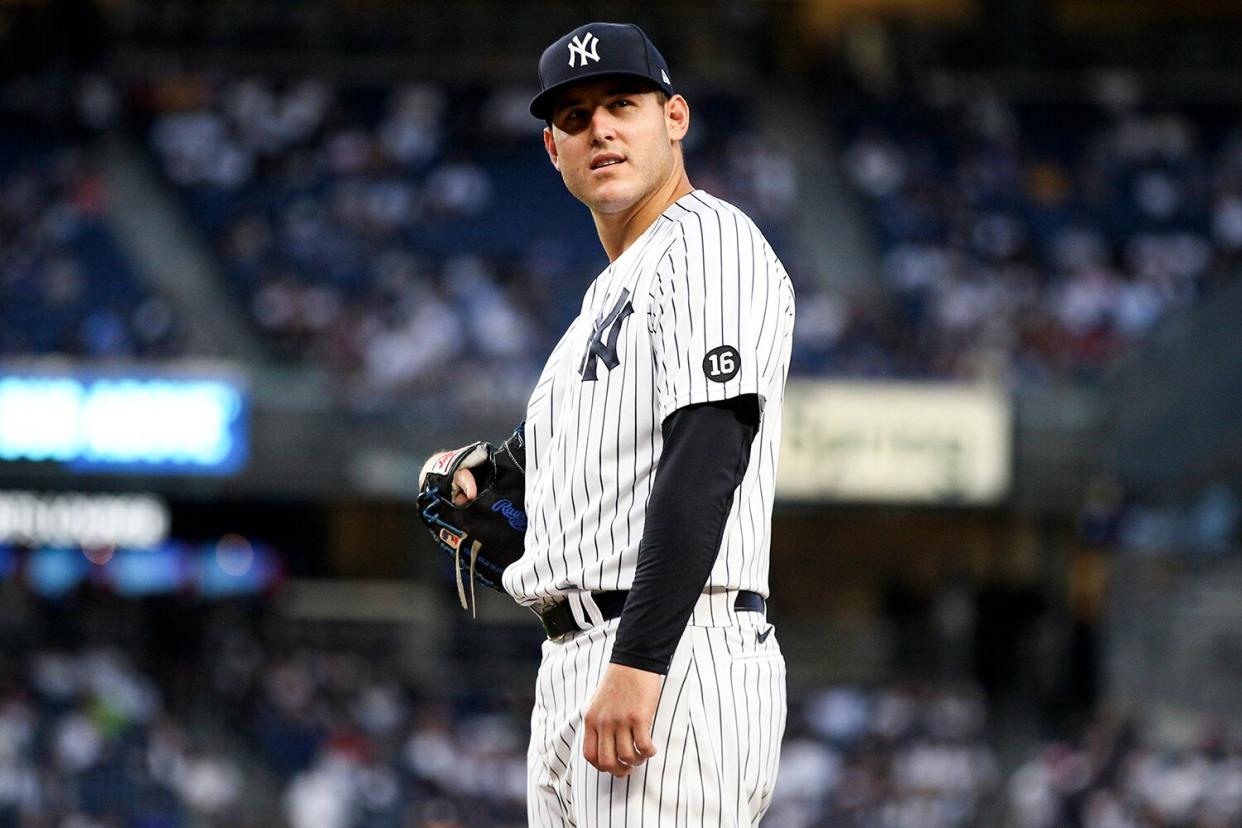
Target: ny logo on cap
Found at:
583, 47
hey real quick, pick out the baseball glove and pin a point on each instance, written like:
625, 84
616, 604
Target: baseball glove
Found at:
486, 534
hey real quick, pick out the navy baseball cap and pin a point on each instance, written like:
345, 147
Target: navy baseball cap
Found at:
594, 50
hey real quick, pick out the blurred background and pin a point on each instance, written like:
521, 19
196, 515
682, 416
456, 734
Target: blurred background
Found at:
258, 260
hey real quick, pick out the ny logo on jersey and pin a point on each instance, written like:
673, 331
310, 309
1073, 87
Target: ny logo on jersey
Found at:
583, 48
611, 322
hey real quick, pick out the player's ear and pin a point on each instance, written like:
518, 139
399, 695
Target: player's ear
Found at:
549, 144
677, 117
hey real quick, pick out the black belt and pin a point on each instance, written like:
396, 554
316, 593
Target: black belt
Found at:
560, 619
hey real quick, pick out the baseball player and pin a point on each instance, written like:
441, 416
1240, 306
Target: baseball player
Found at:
632, 509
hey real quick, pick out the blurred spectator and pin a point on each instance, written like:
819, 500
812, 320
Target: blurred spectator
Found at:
1114, 779
898, 757
1020, 252
84, 741
65, 286
372, 228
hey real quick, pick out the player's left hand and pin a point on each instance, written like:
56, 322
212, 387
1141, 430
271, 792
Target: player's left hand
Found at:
618, 721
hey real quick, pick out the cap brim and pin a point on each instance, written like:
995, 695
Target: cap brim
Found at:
541, 104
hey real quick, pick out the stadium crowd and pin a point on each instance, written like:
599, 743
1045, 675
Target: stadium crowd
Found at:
352, 743
66, 287
390, 231
903, 756
316, 212
1113, 778
87, 742
338, 739
1034, 237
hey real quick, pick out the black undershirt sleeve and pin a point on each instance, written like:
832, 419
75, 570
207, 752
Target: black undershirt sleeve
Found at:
706, 451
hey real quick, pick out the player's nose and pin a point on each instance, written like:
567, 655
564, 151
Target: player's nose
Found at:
603, 124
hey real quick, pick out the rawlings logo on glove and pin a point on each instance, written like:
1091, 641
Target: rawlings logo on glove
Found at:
487, 530
515, 516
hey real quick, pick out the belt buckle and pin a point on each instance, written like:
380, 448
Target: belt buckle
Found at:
555, 639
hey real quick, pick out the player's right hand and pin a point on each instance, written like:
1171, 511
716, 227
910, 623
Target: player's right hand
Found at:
471, 500
465, 488
617, 734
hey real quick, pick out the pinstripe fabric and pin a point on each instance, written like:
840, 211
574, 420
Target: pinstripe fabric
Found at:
700, 278
717, 729
652, 337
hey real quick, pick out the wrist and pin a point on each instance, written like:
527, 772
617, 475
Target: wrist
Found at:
632, 682
639, 662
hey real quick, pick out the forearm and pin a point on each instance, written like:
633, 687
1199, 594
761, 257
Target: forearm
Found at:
706, 452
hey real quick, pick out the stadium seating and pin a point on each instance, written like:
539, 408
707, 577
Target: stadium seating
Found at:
338, 738
368, 226
364, 226
66, 287
1034, 237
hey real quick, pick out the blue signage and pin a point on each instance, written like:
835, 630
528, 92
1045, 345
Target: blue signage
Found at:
124, 424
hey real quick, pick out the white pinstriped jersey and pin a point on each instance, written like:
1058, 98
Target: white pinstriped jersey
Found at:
697, 309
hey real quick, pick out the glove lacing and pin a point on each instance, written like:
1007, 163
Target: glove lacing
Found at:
475, 546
